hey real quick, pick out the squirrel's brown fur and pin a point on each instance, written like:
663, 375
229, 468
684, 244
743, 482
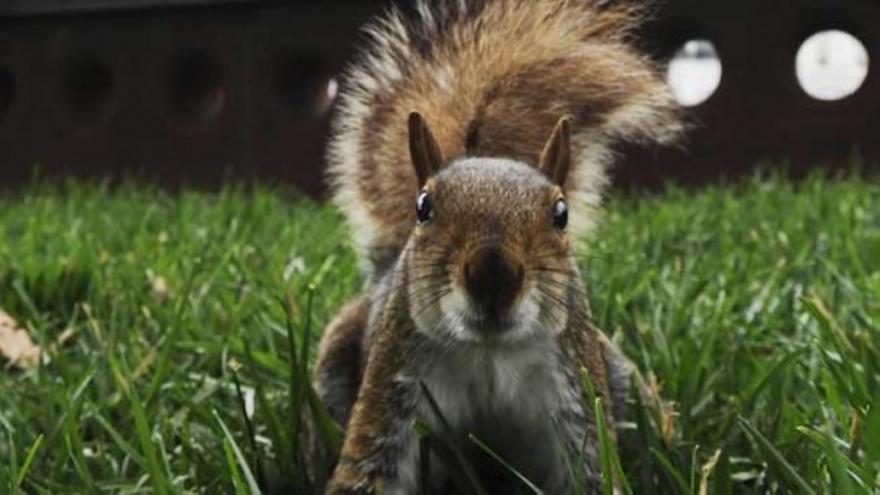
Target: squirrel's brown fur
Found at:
491, 77
479, 306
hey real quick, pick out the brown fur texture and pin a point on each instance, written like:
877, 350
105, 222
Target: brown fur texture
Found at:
342, 355
493, 373
491, 78
478, 310
340, 364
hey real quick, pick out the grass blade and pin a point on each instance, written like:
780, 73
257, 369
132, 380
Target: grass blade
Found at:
459, 456
234, 472
672, 471
777, 457
485, 448
122, 443
158, 479
28, 460
605, 448
252, 484
251, 434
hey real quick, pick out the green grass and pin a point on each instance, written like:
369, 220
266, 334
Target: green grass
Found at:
756, 307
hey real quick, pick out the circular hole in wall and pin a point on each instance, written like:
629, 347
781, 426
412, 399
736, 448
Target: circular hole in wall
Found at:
8, 88
196, 90
694, 73
305, 86
87, 91
831, 65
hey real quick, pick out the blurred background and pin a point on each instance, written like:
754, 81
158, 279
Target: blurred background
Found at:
195, 92
158, 339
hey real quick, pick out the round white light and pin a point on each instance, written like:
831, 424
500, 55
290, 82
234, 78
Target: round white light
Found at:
831, 65
694, 73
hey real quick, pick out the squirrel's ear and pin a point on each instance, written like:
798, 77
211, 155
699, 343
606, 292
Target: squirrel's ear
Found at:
556, 157
423, 149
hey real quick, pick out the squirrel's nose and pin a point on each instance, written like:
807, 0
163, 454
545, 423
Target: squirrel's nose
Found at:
493, 278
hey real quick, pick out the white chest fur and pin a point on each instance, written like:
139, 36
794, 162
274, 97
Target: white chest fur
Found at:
516, 384
507, 396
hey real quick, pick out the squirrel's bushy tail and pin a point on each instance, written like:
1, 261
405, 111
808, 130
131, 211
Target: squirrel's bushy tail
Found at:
491, 78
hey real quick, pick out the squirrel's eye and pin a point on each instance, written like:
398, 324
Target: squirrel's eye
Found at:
560, 214
424, 209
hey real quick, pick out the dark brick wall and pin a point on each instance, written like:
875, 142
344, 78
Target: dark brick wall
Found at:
195, 91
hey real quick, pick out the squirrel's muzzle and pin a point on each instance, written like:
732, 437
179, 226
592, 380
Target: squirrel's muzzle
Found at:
493, 279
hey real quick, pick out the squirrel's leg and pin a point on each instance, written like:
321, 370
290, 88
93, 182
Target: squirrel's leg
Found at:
579, 439
339, 367
585, 349
380, 449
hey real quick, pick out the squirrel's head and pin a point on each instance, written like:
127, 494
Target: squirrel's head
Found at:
489, 259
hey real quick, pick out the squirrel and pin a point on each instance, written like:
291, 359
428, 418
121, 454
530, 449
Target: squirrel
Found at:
497, 119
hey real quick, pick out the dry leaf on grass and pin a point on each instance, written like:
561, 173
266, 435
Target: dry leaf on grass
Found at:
16, 345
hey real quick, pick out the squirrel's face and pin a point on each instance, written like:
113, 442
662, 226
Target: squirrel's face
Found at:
489, 259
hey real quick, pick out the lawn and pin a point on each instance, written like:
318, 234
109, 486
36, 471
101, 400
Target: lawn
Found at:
187, 321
